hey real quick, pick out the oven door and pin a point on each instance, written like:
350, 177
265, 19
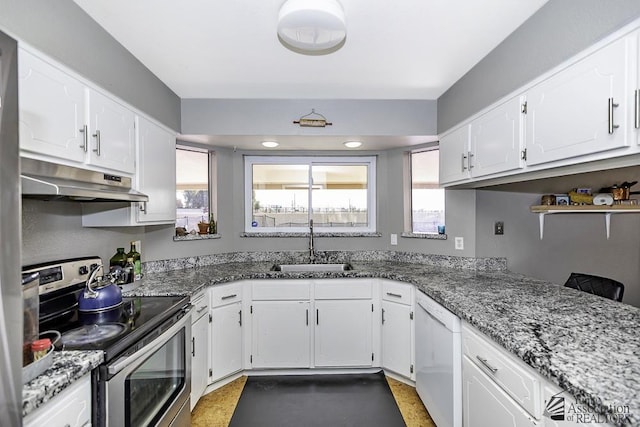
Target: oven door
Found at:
152, 386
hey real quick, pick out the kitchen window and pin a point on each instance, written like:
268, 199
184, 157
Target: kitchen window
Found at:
195, 192
283, 193
426, 199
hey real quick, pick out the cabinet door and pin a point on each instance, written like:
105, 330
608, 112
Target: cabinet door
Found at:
52, 108
484, 403
281, 336
396, 338
199, 358
343, 333
454, 155
70, 408
156, 173
112, 129
226, 340
496, 139
568, 115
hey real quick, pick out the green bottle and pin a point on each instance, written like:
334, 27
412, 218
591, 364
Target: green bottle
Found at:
120, 258
137, 263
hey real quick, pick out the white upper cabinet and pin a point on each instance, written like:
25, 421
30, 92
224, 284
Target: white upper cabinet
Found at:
454, 155
582, 109
52, 108
65, 120
112, 134
497, 139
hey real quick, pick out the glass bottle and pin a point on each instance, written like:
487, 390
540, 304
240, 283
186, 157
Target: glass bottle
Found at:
137, 263
129, 273
120, 258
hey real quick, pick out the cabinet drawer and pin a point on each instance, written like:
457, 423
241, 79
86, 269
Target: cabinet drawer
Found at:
396, 292
200, 304
507, 372
72, 407
281, 290
226, 294
343, 289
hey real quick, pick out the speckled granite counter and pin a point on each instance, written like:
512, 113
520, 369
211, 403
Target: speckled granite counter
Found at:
67, 367
587, 345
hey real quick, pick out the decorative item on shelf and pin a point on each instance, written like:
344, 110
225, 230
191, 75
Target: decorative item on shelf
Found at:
203, 227
580, 198
603, 199
213, 226
181, 231
548, 200
313, 119
562, 199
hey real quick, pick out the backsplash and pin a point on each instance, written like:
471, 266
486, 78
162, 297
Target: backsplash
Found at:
292, 257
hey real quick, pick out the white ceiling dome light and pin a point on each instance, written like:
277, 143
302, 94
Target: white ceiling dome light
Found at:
312, 26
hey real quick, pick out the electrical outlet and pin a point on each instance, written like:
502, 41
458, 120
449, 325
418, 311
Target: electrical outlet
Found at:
498, 228
459, 243
394, 239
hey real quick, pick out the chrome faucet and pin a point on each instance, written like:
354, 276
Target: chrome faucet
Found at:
312, 253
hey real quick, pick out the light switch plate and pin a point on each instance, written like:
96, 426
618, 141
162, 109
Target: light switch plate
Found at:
394, 239
459, 242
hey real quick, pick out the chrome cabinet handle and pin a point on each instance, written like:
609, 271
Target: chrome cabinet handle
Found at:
383, 316
317, 316
391, 294
240, 317
228, 296
85, 138
307, 316
97, 137
143, 207
201, 309
612, 126
464, 157
637, 109
193, 347
470, 164
487, 365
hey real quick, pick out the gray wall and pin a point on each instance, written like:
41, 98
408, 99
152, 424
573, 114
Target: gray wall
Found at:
62, 30
275, 116
560, 29
572, 243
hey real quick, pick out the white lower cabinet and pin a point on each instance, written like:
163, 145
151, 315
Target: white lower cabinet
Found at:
226, 340
280, 334
71, 408
199, 357
485, 403
343, 333
397, 320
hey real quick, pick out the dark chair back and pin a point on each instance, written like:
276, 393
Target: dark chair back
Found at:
596, 285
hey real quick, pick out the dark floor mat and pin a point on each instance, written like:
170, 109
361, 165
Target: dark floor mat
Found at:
317, 400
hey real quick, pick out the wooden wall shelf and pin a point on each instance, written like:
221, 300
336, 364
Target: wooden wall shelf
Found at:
607, 211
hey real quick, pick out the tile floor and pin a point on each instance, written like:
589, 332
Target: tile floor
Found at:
216, 408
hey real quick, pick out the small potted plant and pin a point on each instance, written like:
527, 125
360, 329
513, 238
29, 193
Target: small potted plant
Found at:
203, 227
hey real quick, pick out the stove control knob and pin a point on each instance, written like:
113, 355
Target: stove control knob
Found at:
83, 270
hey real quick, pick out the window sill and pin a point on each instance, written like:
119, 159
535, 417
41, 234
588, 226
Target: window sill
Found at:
321, 234
432, 236
190, 237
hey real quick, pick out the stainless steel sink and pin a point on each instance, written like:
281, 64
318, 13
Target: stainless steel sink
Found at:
311, 267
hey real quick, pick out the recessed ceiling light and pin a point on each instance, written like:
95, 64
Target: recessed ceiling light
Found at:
270, 144
352, 144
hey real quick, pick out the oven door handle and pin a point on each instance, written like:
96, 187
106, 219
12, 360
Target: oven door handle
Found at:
121, 363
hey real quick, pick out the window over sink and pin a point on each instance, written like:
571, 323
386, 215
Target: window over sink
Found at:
283, 193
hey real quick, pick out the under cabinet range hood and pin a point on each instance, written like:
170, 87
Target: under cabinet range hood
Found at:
50, 181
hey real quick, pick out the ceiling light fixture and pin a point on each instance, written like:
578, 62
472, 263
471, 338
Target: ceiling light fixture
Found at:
352, 144
312, 26
270, 144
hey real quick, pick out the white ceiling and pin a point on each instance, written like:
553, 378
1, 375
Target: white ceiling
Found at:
404, 49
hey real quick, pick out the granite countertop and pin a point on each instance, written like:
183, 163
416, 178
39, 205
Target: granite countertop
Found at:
67, 367
587, 345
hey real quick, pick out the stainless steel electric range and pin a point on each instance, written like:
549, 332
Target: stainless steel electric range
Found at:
145, 378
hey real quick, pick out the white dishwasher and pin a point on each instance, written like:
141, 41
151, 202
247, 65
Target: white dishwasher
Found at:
439, 361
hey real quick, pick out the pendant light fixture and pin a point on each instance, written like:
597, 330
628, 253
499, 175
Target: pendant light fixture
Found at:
312, 26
